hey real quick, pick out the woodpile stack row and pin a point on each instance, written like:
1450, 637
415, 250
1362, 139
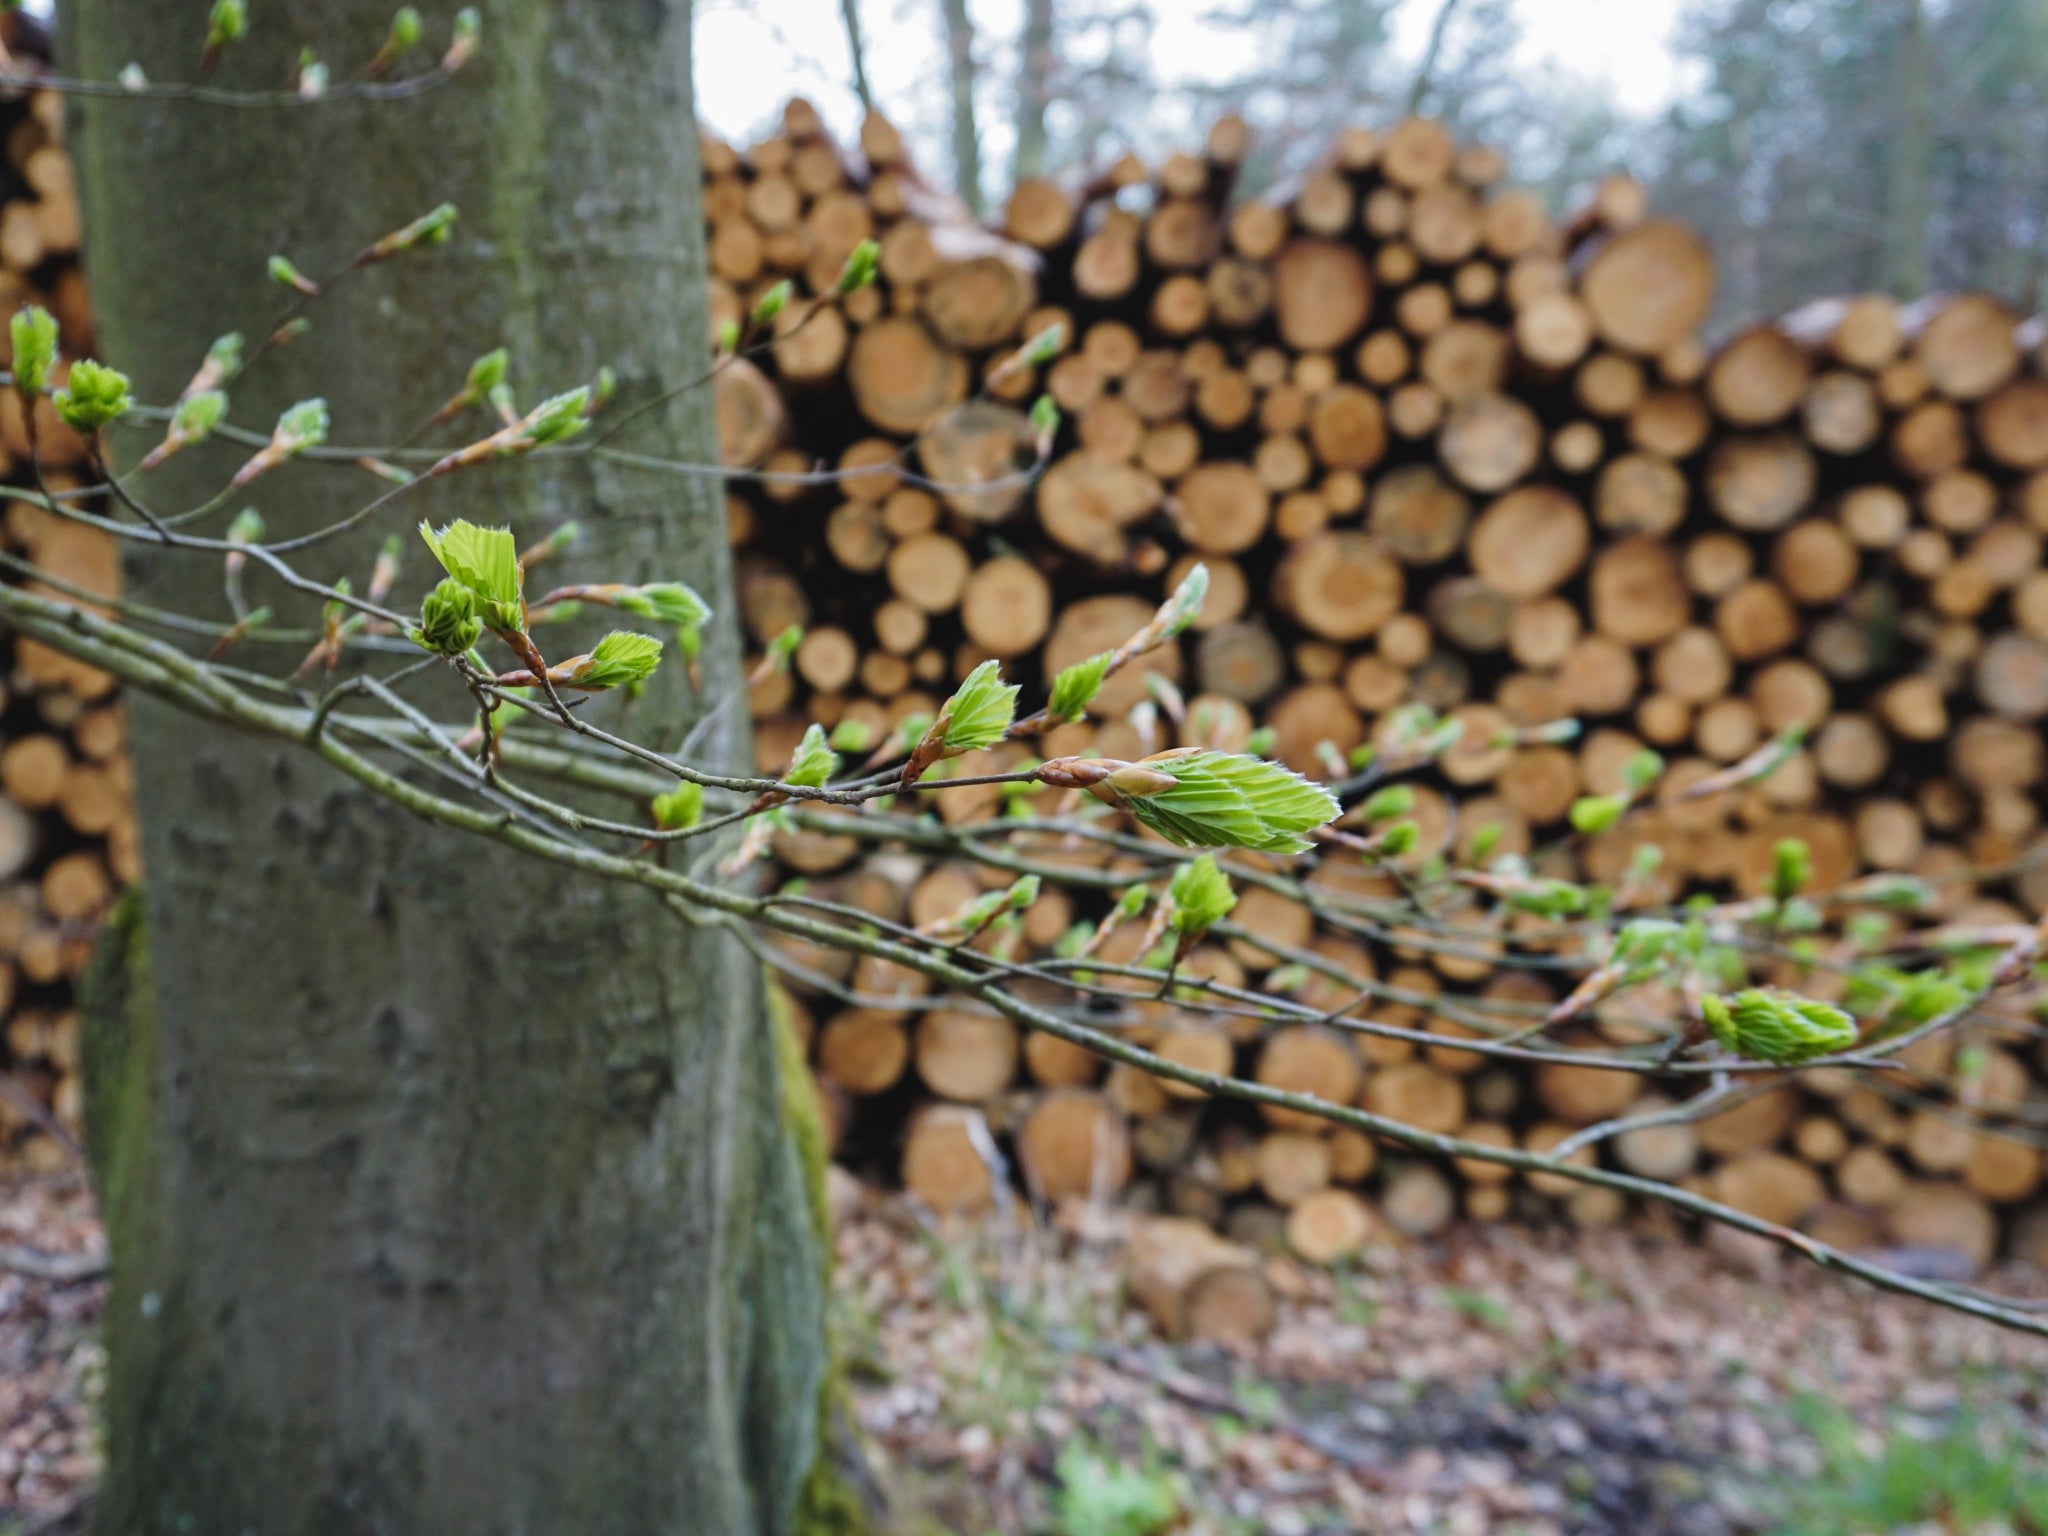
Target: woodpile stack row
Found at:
1433, 447
67, 828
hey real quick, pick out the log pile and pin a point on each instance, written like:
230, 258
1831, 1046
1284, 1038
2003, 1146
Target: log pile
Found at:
67, 829
1433, 447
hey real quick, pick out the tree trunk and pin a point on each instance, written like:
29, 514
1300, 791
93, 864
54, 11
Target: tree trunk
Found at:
857, 52
1912, 160
1036, 60
966, 135
447, 1191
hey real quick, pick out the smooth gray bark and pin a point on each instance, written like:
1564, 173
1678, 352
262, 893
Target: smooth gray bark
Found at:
448, 1191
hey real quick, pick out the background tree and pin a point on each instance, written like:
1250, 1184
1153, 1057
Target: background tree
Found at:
962, 74
1037, 59
1836, 146
446, 1190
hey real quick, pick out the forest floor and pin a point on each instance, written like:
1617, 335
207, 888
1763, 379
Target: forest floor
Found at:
1500, 1379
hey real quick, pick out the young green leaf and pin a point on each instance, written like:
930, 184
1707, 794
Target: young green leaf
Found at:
1076, 686
554, 420
852, 736
621, 658
469, 28
1043, 347
1641, 770
1219, 800
486, 560
1791, 868
34, 334
449, 622
980, 710
771, 303
1592, 814
228, 22
93, 396
286, 274
1400, 839
1181, 609
680, 808
1201, 897
665, 602
487, 373
813, 762
1774, 1025
1386, 804
859, 271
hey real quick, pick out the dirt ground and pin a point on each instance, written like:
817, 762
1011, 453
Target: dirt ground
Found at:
1499, 1380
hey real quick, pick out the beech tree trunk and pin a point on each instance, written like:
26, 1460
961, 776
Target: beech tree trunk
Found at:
1036, 60
961, 77
447, 1191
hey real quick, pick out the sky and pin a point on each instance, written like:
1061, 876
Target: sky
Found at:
752, 54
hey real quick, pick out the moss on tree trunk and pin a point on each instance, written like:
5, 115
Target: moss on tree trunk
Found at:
447, 1191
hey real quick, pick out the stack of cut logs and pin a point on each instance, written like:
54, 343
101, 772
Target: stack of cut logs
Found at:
67, 831
1433, 447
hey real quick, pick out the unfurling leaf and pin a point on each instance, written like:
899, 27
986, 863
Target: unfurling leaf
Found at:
861, 266
430, 228
1200, 799
1791, 868
1641, 770
92, 397
984, 909
1386, 804
665, 602
486, 560
228, 22
449, 621
680, 808
813, 762
771, 303
621, 658
1076, 686
487, 373
469, 27
404, 36
980, 710
192, 422
1485, 841
1774, 1025
223, 362
1593, 814
34, 334
1043, 347
1181, 609
554, 420
1201, 897
286, 274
